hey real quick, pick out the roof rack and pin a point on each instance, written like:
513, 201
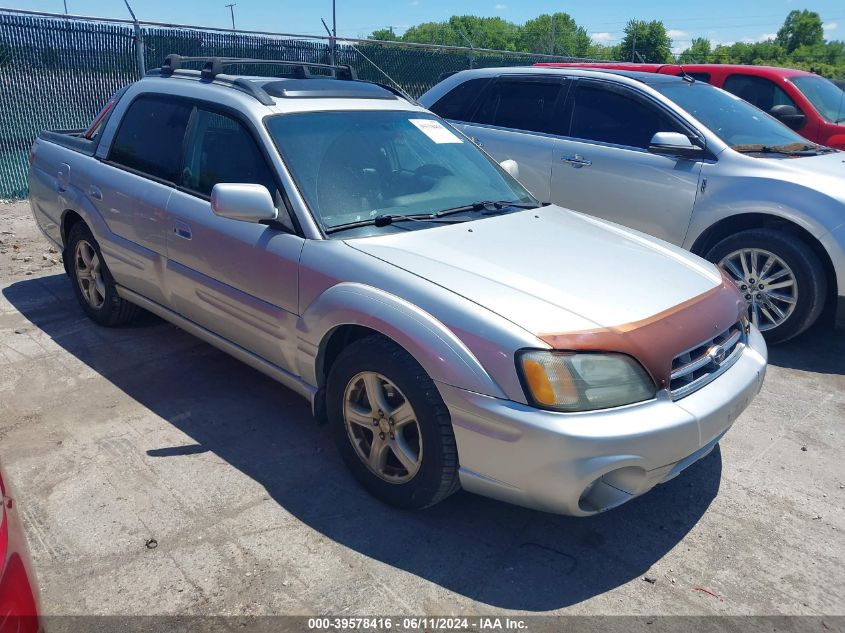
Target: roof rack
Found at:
213, 66
212, 70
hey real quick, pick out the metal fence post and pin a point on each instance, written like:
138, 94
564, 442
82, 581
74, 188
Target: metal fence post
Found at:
139, 50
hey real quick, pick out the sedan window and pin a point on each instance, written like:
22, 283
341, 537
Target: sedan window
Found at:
826, 97
520, 105
734, 120
150, 137
758, 91
223, 150
609, 116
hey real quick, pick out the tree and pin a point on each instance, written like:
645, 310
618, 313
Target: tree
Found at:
493, 33
649, 39
386, 35
698, 53
556, 34
801, 28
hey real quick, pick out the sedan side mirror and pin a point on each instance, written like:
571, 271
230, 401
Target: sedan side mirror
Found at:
247, 203
788, 115
674, 144
510, 166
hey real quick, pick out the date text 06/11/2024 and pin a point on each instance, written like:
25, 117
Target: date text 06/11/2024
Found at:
426, 623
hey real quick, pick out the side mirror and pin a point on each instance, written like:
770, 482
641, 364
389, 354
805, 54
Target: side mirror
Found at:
788, 115
510, 166
247, 203
674, 144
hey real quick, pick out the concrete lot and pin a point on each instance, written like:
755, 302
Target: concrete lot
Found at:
114, 437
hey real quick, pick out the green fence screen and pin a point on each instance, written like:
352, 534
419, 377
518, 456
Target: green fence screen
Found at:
56, 72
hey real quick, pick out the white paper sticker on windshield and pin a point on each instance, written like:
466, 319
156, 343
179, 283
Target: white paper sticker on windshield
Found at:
435, 130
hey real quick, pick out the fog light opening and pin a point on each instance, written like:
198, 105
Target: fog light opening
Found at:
584, 502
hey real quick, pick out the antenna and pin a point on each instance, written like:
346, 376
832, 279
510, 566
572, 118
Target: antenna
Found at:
232, 11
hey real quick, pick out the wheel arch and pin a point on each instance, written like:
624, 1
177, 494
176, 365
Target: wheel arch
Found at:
348, 312
736, 223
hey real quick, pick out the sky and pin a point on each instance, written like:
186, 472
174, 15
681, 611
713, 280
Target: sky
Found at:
722, 21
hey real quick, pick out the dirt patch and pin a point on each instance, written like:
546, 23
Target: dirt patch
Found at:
24, 251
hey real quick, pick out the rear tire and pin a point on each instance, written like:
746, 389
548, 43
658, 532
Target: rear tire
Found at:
93, 284
780, 277
390, 424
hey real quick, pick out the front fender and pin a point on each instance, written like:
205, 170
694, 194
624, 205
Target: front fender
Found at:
442, 354
814, 211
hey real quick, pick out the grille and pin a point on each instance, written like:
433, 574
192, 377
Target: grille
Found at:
698, 366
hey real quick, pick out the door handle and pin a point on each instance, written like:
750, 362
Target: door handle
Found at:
95, 193
577, 161
477, 141
182, 230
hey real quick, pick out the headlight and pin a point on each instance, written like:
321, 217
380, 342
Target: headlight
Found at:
582, 381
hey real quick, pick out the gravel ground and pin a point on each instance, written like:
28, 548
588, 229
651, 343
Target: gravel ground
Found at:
114, 437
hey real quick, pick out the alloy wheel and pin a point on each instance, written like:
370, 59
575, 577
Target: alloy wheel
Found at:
89, 274
766, 282
382, 427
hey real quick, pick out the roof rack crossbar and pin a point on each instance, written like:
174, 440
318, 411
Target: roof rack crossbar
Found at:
213, 66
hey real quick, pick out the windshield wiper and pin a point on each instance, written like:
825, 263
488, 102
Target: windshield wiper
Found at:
387, 220
489, 207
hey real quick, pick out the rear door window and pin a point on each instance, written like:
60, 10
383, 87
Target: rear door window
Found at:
758, 91
520, 104
609, 114
150, 137
457, 103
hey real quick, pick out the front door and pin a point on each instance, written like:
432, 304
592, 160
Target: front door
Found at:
603, 167
237, 279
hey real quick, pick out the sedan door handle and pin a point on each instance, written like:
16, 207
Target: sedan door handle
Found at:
182, 230
577, 161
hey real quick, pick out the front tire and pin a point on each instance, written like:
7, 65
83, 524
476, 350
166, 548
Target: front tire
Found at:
391, 425
779, 275
93, 284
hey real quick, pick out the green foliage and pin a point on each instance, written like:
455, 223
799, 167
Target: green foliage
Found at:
801, 28
385, 35
556, 34
799, 43
650, 39
698, 52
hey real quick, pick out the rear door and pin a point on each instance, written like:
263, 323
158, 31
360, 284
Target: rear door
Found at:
514, 119
602, 165
132, 186
237, 279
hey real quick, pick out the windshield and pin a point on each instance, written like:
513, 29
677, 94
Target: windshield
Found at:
355, 166
827, 98
734, 120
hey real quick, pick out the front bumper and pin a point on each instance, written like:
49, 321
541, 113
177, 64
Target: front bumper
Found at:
585, 463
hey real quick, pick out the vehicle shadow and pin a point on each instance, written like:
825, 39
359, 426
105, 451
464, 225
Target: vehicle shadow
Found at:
498, 554
821, 350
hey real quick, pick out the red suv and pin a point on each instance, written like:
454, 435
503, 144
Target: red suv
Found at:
808, 103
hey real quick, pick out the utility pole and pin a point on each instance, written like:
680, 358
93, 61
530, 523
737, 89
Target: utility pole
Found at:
139, 41
232, 11
554, 22
332, 34
634, 48
65, 2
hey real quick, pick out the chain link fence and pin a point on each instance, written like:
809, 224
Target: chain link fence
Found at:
57, 71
